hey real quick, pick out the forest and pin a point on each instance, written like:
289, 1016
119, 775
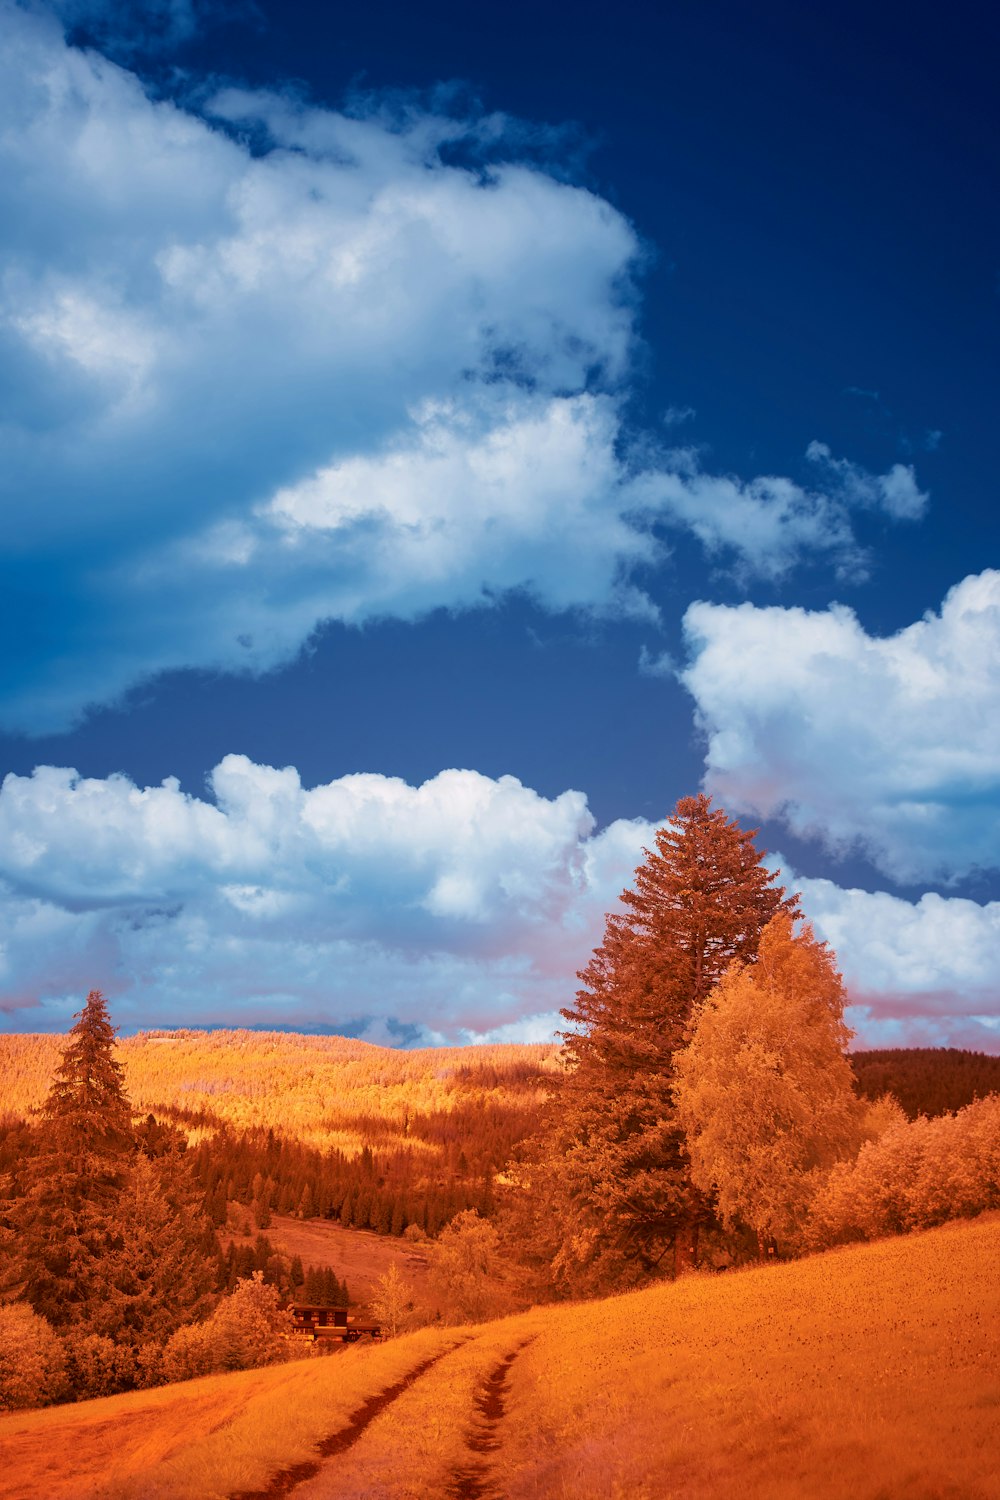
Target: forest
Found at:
703, 1111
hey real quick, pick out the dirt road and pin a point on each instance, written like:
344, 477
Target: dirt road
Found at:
437, 1433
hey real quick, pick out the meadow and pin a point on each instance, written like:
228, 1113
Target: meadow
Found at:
869, 1372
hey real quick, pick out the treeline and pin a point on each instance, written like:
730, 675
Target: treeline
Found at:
449, 1166
112, 1275
927, 1080
316, 1286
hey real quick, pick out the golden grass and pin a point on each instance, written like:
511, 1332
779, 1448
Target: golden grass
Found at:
871, 1372
202, 1439
866, 1373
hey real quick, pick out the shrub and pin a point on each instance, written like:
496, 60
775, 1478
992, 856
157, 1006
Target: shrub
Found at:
32, 1359
917, 1174
97, 1366
247, 1329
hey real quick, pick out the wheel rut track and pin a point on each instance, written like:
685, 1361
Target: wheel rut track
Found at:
473, 1481
286, 1480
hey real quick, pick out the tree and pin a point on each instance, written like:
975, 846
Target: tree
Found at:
764, 1091
614, 1160
32, 1359
249, 1328
466, 1268
392, 1304
110, 1244
161, 1269
64, 1216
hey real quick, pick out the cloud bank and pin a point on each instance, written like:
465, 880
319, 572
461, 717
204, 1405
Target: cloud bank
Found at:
456, 910
290, 364
891, 746
919, 974
457, 907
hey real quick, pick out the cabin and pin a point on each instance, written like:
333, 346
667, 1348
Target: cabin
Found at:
314, 1323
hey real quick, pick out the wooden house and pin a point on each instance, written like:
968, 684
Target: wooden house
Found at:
334, 1323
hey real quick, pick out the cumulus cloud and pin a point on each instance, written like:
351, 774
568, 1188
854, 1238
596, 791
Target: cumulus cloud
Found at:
267, 364
459, 910
918, 973
461, 907
887, 745
764, 527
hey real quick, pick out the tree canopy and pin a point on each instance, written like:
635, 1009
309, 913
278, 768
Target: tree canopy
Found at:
764, 1090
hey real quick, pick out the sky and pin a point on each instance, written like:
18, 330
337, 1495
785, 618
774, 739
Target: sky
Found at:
436, 439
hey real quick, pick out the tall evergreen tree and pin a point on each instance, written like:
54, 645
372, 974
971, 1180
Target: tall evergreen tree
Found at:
64, 1217
110, 1237
615, 1156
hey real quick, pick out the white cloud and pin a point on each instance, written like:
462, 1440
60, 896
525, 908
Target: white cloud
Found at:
764, 527
334, 374
460, 906
896, 493
891, 746
918, 973
457, 910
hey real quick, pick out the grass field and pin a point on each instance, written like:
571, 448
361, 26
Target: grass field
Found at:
358, 1256
869, 1373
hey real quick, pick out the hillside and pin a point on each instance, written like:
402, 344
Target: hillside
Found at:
325, 1091
927, 1080
858, 1374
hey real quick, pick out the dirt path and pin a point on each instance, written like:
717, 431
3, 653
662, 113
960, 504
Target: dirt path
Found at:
472, 1480
434, 1435
287, 1480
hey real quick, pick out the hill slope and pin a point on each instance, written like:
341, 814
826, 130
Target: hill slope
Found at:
864, 1373
327, 1091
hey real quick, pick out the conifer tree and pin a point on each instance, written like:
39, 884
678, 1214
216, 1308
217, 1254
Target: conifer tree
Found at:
614, 1161
64, 1221
110, 1238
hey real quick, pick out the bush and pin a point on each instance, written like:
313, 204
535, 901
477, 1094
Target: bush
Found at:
247, 1329
32, 1359
917, 1174
97, 1366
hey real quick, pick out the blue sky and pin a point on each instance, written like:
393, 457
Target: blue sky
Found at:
436, 440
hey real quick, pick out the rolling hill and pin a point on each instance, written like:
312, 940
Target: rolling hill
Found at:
329, 1092
861, 1374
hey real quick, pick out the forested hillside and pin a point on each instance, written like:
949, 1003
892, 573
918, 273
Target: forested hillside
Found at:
326, 1091
377, 1138
317, 1126
927, 1080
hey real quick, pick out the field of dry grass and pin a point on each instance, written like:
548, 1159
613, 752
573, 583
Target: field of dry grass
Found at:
358, 1256
868, 1373
307, 1087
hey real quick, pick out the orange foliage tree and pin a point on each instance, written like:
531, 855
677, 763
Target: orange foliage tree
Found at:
615, 1161
764, 1090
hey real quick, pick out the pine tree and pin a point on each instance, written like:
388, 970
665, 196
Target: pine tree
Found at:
64, 1223
87, 1112
614, 1161
112, 1243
